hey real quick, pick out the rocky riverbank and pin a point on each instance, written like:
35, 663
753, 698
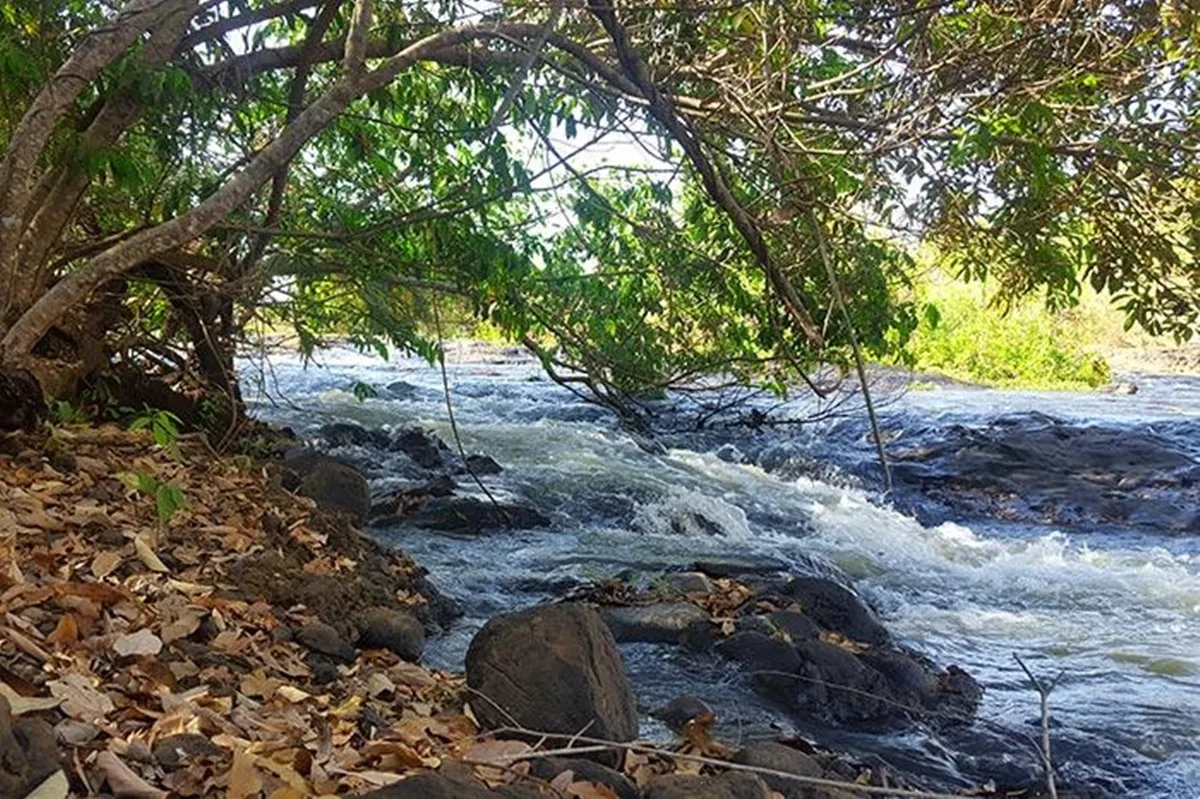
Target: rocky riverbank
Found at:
177, 623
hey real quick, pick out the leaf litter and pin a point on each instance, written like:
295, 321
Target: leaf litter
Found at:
162, 653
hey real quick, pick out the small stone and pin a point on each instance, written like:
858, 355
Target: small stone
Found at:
320, 637
689, 582
483, 465
394, 630
679, 711
547, 768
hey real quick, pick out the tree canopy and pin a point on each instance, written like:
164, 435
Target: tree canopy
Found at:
179, 174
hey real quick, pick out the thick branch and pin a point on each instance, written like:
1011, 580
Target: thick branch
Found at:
98, 49
75, 287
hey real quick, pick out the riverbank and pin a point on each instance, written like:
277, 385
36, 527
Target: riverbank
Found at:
179, 623
176, 622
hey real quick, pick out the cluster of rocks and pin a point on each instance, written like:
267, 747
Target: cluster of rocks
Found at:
429, 501
555, 671
809, 644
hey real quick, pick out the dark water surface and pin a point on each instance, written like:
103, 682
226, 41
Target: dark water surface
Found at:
1114, 606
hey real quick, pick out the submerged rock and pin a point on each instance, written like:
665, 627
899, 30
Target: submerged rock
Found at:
424, 449
342, 434
552, 668
1038, 469
471, 516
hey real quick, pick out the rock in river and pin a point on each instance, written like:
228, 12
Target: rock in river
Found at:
662, 623
471, 516
328, 482
553, 668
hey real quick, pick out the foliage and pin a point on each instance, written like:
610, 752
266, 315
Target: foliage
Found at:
1041, 150
163, 426
963, 336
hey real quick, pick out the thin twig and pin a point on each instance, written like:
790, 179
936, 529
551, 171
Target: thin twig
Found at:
1044, 691
858, 358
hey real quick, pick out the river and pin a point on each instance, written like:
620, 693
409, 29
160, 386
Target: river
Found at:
1113, 607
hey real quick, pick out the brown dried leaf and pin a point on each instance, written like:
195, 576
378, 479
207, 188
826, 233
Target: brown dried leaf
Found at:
105, 563
24, 704
141, 643
501, 754
147, 555
123, 781
79, 699
55, 786
591, 790
244, 779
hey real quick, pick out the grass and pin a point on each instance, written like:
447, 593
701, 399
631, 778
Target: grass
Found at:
963, 336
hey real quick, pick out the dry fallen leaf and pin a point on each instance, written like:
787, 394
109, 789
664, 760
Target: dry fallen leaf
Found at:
79, 699
141, 643
244, 779
55, 786
123, 781
147, 555
105, 563
500, 753
591, 790
25, 704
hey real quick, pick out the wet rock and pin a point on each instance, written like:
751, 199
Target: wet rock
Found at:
777, 757
730, 785
1038, 469
481, 465
838, 686
547, 768
425, 450
737, 568
394, 630
771, 663
679, 711
836, 608
328, 482
343, 434
789, 625
402, 390
909, 681
696, 583
960, 695
553, 668
174, 751
322, 638
28, 754
664, 623
471, 516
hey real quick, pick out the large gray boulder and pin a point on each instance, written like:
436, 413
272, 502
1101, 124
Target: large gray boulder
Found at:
552, 668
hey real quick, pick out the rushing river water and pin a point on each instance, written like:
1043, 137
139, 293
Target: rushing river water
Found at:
1116, 610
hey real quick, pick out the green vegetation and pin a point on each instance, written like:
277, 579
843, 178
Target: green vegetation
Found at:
178, 178
964, 336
